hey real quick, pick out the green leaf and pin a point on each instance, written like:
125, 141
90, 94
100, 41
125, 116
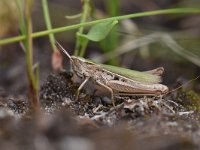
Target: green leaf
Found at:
99, 31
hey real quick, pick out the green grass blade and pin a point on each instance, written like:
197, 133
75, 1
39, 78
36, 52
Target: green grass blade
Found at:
48, 23
182, 11
79, 48
22, 25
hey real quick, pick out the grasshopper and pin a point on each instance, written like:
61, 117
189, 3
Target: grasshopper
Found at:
118, 81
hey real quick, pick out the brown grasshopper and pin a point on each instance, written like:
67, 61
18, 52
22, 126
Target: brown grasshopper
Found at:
129, 83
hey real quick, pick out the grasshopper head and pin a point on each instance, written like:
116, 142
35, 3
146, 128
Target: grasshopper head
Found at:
81, 66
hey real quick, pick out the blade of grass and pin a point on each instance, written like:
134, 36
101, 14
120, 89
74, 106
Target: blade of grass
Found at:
56, 62
136, 15
74, 16
79, 48
146, 40
48, 23
22, 25
32, 79
112, 40
176, 48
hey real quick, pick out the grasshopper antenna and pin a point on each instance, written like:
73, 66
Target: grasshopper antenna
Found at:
183, 85
63, 50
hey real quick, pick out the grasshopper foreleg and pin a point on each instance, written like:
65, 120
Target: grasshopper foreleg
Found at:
80, 87
109, 89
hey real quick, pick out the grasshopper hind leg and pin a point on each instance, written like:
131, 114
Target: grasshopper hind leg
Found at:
101, 84
111, 91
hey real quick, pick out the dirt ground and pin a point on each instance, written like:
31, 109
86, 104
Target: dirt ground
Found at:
93, 123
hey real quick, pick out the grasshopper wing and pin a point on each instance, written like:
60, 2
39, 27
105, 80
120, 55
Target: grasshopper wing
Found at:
145, 77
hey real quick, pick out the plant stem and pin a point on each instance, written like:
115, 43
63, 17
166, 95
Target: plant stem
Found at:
112, 40
33, 84
48, 24
86, 11
136, 15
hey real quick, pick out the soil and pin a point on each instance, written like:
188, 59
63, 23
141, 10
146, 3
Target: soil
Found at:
91, 122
